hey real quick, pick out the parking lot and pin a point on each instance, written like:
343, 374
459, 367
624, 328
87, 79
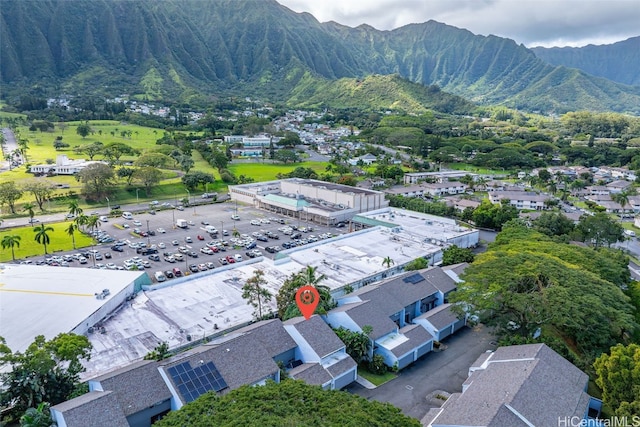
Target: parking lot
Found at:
175, 242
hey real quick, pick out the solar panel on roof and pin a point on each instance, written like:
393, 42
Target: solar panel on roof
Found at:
194, 382
414, 278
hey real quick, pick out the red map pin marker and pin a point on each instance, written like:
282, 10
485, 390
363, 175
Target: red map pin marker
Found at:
307, 299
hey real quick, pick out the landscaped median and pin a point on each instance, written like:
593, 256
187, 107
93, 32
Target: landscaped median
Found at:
27, 246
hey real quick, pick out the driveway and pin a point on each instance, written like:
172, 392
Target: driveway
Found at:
443, 370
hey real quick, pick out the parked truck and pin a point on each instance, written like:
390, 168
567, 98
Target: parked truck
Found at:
181, 223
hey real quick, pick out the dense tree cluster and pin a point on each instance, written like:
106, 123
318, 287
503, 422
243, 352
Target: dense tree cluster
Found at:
532, 288
290, 403
618, 375
47, 371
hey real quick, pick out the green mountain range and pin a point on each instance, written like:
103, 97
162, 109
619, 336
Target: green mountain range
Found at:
193, 49
619, 62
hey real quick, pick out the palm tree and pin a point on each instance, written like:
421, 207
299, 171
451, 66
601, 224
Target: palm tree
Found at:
623, 198
235, 232
73, 227
41, 235
81, 220
28, 207
308, 275
74, 209
388, 262
93, 222
9, 241
254, 292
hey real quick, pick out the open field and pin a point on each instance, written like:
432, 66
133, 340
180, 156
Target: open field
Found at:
60, 241
105, 131
475, 169
268, 171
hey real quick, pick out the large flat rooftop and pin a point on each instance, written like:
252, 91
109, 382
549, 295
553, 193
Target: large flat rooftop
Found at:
194, 307
43, 300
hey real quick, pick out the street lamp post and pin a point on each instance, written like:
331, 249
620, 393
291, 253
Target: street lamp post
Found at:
222, 228
148, 235
137, 198
108, 203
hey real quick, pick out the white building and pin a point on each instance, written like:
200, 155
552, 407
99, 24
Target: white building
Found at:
63, 166
308, 199
520, 199
442, 176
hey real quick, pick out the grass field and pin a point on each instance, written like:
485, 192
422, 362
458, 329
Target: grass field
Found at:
60, 241
105, 131
268, 171
476, 169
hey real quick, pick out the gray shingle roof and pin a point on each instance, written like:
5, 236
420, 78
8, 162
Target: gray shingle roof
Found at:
137, 386
271, 335
317, 334
100, 407
408, 293
438, 278
532, 379
239, 360
441, 316
371, 314
342, 366
417, 336
311, 373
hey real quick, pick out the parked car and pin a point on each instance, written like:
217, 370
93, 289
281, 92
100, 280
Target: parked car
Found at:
154, 257
193, 268
177, 272
169, 274
188, 239
223, 261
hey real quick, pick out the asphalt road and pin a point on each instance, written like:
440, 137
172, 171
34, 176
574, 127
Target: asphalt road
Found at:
442, 370
10, 145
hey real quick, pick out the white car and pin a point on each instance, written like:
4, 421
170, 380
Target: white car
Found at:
137, 223
237, 257
161, 230
111, 266
265, 221
161, 245
255, 222
235, 217
206, 251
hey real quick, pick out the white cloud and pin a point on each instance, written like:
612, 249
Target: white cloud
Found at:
531, 22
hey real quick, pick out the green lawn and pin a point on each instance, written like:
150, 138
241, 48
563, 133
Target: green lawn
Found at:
60, 241
475, 169
268, 171
377, 380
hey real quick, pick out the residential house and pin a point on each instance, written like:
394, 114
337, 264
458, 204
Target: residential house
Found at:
326, 362
367, 160
520, 199
406, 191
440, 189
521, 385
618, 186
396, 312
140, 394
441, 176
461, 204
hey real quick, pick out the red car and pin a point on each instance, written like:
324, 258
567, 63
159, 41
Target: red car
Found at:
230, 260
200, 237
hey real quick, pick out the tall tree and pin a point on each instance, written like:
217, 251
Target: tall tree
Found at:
285, 299
74, 208
42, 235
600, 229
255, 293
455, 255
28, 208
83, 129
10, 241
97, 180
148, 177
618, 375
9, 194
41, 191
71, 230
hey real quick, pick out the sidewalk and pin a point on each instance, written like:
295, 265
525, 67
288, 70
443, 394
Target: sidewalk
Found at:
365, 383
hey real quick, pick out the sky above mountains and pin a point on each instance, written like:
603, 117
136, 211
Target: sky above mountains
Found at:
530, 22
